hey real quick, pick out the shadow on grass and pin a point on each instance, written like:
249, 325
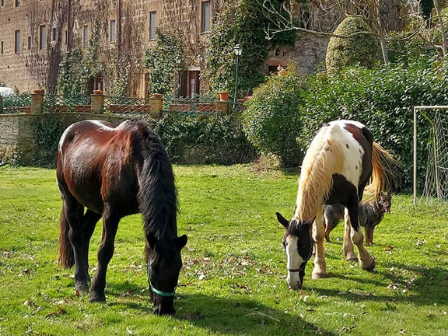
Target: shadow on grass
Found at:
228, 315
238, 315
429, 286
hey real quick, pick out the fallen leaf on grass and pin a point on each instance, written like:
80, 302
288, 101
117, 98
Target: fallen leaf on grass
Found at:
59, 311
197, 315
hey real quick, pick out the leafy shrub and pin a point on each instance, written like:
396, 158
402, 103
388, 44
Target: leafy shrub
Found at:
199, 139
383, 99
359, 47
272, 121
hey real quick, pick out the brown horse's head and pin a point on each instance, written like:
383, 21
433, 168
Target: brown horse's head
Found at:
164, 265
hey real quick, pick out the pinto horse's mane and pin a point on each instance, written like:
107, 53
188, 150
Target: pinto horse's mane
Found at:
157, 191
319, 164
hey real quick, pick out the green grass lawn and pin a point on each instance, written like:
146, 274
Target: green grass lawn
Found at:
233, 279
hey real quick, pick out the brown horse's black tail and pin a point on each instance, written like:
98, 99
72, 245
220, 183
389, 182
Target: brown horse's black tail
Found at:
66, 256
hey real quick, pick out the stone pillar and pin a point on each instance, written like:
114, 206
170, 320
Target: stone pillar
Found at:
156, 105
37, 101
222, 106
97, 104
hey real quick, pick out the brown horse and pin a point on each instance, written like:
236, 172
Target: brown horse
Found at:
115, 172
337, 167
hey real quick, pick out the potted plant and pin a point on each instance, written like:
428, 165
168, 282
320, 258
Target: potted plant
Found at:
224, 96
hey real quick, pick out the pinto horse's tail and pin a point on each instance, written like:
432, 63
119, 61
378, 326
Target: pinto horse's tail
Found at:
384, 172
66, 256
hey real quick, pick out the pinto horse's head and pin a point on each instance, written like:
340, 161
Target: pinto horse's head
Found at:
164, 265
298, 245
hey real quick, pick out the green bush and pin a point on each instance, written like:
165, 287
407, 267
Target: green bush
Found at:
383, 99
199, 139
358, 46
272, 120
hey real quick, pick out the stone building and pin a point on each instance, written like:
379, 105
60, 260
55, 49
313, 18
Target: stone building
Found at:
35, 35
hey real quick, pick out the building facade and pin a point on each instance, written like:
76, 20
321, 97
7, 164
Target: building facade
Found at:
36, 34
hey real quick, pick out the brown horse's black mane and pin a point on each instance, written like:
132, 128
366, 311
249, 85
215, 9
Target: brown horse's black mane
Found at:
157, 191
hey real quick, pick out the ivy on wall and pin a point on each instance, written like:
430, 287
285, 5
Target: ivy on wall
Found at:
241, 22
78, 66
163, 61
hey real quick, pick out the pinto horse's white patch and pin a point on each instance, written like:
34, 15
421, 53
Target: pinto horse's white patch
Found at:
294, 261
352, 149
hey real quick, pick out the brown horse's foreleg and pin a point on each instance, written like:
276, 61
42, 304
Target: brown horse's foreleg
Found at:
105, 253
320, 267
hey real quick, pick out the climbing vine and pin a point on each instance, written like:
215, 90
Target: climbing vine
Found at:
241, 22
163, 61
78, 66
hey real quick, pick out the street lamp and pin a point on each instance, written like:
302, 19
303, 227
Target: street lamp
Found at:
238, 51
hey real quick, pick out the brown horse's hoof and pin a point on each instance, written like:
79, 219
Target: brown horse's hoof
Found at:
82, 287
318, 275
94, 297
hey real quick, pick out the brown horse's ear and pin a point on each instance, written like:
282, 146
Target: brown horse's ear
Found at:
282, 220
181, 241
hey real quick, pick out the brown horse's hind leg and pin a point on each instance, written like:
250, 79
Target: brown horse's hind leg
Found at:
105, 253
73, 212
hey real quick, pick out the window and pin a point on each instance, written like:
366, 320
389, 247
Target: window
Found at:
66, 37
1, 47
29, 42
152, 25
17, 41
205, 16
85, 36
42, 37
54, 34
17, 3
2, 3
112, 29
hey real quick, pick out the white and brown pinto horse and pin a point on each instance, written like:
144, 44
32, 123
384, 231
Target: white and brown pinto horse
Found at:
340, 162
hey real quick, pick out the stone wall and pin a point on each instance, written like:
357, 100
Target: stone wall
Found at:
17, 141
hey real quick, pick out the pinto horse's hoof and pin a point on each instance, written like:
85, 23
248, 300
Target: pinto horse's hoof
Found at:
95, 297
352, 259
318, 276
368, 266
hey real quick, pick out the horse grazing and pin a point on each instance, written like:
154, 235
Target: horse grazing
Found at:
115, 172
371, 213
338, 165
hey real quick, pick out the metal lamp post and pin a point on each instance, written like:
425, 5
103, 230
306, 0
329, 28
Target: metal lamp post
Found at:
238, 51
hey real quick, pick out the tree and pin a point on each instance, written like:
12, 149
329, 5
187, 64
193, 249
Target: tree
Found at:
282, 18
356, 49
